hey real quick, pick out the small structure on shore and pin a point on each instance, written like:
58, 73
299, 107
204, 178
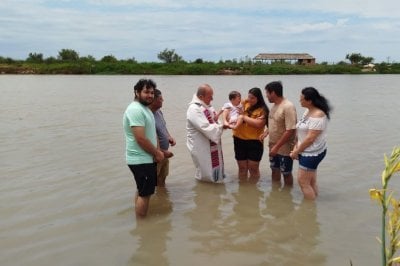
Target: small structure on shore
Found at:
368, 68
301, 59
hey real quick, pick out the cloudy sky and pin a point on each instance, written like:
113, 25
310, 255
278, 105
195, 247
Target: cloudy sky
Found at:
207, 29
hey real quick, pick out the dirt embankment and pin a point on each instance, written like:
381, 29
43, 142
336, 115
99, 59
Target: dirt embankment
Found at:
7, 69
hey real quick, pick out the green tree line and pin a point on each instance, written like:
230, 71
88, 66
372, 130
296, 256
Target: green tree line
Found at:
68, 61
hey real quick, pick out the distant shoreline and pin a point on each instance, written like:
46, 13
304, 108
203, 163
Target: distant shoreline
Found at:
206, 68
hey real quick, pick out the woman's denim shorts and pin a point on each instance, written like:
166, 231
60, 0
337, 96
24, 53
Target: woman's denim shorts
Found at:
310, 163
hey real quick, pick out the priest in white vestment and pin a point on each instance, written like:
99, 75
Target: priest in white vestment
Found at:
204, 137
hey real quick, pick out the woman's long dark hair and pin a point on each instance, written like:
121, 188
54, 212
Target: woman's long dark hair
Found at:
319, 101
256, 92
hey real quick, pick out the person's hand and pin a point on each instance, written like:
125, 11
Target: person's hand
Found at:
273, 151
226, 125
232, 126
167, 154
172, 141
294, 154
159, 156
263, 135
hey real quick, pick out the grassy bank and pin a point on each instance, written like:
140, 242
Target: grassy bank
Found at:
183, 68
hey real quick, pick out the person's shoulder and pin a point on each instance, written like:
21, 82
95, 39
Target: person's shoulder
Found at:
227, 105
137, 107
157, 114
194, 107
131, 106
321, 114
318, 114
135, 104
287, 106
287, 102
260, 111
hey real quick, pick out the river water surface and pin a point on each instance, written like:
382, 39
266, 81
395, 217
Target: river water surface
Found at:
66, 193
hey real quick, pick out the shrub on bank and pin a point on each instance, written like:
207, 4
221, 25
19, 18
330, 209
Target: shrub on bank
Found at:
183, 68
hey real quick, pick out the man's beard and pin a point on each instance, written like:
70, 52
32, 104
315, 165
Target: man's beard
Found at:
144, 102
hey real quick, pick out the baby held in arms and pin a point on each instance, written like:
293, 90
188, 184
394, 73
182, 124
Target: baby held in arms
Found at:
232, 110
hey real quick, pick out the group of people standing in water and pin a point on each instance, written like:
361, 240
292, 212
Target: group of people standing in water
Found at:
251, 122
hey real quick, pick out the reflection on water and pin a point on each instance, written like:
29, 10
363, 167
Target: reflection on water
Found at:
66, 193
229, 225
206, 218
247, 226
152, 236
293, 229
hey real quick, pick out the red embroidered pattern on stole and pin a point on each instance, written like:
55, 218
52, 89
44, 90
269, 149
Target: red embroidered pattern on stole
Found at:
213, 145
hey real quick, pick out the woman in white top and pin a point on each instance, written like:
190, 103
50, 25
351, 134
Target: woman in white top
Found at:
311, 145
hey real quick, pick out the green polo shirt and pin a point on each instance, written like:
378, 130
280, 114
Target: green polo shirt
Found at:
138, 115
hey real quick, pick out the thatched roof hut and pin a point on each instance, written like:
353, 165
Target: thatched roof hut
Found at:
303, 59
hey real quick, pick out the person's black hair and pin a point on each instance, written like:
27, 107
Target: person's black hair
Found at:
143, 83
256, 92
233, 95
157, 93
318, 100
275, 86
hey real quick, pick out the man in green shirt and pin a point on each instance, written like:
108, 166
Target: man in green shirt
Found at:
142, 152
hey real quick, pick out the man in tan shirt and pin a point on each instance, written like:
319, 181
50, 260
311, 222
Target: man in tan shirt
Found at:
282, 131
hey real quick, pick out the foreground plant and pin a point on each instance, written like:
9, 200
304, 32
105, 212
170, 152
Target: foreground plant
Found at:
390, 210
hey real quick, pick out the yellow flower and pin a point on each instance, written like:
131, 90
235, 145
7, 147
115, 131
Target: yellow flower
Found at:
376, 194
395, 203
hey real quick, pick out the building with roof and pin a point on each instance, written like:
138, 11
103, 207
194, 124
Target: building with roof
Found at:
301, 59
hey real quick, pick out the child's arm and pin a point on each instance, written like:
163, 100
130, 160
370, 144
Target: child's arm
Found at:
225, 117
216, 117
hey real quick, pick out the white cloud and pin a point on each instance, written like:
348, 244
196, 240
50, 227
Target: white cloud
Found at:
386, 26
199, 29
364, 8
307, 27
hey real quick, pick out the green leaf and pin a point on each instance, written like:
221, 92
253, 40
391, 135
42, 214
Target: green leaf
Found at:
397, 259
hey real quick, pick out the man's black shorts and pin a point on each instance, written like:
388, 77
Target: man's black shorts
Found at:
146, 178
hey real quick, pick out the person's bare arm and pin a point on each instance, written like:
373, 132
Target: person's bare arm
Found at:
312, 135
145, 144
284, 138
258, 122
225, 117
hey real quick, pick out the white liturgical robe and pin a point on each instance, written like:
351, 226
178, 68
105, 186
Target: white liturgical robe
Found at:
204, 141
